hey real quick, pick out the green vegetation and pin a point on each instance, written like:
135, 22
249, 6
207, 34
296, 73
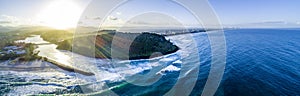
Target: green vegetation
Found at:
142, 45
124, 45
56, 36
9, 56
8, 38
30, 55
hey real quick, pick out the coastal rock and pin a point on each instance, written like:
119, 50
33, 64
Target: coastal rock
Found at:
120, 45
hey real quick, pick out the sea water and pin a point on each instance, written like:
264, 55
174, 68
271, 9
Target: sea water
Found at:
258, 62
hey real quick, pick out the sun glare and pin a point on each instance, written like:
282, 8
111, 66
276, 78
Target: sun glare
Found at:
60, 14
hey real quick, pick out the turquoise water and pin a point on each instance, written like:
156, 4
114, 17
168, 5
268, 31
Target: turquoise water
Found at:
259, 62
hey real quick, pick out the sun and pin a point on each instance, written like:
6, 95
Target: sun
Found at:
60, 14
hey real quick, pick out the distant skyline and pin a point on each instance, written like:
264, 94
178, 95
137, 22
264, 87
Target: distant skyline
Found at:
66, 13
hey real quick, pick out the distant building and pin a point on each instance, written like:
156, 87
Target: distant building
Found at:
13, 50
9, 51
20, 52
106, 30
2, 54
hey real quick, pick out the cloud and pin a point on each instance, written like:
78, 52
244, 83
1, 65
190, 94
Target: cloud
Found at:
8, 17
276, 22
90, 21
5, 22
92, 18
118, 13
270, 24
12, 21
80, 22
140, 22
112, 18
97, 18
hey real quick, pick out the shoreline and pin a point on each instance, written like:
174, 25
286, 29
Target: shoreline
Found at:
30, 67
21, 67
143, 39
66, 67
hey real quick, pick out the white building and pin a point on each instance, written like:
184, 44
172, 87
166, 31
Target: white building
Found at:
20, 52
13, 49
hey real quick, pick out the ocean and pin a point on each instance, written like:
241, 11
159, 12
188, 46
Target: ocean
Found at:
258, 62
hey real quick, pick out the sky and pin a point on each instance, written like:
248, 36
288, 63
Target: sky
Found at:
68, 13
51, 13
254, 11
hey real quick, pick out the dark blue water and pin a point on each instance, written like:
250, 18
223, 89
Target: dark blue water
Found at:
260, 62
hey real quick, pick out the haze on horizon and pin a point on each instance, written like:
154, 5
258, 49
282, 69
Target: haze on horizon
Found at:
63, 14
